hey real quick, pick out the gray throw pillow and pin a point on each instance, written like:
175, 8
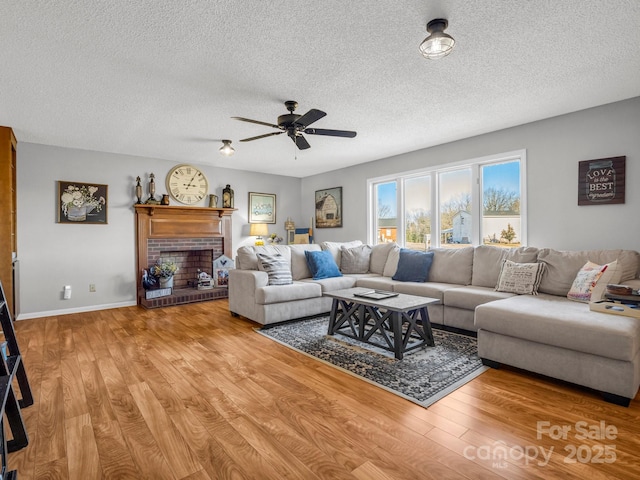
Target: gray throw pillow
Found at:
355, 259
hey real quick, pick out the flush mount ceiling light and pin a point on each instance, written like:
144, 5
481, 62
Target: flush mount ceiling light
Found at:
438, 44
226, 148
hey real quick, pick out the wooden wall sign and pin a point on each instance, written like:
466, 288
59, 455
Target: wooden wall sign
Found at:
601, 181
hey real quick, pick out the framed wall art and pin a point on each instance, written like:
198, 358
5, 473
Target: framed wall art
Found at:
601, 181
81, 202
329, 208
262, 208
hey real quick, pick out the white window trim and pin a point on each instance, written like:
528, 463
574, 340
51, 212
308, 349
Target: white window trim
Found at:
475, 164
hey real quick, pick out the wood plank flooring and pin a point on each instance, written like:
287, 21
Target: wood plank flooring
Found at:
190, 393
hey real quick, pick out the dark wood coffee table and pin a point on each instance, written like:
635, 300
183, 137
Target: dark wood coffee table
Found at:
402, 321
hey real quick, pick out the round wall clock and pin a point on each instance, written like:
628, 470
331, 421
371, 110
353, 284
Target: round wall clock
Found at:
187, 184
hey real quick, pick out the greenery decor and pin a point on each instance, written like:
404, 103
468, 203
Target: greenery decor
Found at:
164, 269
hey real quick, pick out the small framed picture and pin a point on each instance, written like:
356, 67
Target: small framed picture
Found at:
221, 277
81, 202
329, 208
262, 207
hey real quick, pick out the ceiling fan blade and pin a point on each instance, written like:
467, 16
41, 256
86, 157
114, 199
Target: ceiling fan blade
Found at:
300, 141
260, 136
242, 119
311, 116
332, 133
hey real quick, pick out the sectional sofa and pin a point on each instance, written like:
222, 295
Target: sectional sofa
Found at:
545, 333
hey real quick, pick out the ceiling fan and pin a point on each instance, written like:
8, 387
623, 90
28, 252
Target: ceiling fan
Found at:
295, 125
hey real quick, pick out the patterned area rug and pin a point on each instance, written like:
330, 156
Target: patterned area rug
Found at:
424, 376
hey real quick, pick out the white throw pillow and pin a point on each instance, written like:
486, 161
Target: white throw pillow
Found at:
520, 278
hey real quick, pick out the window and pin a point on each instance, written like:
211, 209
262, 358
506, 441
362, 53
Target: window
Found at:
386, 225
480, 201
417, 212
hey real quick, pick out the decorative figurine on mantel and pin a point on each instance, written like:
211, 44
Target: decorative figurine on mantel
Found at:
152, 191
138, 190
227, 197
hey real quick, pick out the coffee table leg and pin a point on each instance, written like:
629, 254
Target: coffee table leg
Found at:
332, 317
396, 328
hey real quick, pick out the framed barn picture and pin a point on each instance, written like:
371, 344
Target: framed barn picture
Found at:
329, 208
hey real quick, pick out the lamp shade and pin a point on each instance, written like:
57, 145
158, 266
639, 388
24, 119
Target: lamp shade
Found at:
438, 44
258, 229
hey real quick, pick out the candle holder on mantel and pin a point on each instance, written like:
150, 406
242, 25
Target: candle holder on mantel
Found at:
152, 191
138, 190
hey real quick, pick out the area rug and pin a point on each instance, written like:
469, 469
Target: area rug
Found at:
423, 376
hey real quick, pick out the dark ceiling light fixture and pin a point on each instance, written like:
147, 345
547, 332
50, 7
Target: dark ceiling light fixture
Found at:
438, 44
226, 149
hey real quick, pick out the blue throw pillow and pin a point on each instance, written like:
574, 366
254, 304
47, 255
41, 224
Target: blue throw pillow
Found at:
321, 264
413, 266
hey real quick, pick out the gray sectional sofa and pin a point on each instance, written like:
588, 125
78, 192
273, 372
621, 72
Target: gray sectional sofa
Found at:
545, 333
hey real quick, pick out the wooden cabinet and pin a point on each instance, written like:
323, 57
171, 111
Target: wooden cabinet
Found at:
8, 212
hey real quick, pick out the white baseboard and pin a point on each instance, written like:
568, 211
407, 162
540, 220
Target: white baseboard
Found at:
66, 311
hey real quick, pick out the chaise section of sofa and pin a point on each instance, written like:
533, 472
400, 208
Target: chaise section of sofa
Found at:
554, 336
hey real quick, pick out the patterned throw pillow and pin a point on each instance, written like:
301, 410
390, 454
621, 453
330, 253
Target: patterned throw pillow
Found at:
520, 278
591, 281
355, 259
278, 268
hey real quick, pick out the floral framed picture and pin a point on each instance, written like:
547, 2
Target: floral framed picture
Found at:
329, 208
262, 207
80, 202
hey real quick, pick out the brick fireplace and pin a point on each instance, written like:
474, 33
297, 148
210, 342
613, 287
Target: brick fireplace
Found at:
192, 237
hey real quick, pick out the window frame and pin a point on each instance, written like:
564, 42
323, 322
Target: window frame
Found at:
476, 196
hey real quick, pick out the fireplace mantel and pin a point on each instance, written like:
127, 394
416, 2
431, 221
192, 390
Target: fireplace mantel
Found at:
180, 223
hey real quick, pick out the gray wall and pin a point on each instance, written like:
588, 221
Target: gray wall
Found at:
53, 255
554, 148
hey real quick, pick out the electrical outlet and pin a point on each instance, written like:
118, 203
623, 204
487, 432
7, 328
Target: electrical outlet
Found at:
92, 287
67, 292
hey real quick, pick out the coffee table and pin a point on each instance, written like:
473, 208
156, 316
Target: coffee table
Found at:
402, 321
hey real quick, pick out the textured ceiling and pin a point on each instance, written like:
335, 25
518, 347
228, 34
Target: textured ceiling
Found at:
163, 79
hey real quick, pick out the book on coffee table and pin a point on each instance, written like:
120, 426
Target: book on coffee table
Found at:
375, 294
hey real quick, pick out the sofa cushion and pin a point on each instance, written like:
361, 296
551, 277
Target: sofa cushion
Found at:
470, 297
452, 265
299, 265
278, 268
586, 280
334, 248
557, 321
391, 265
334, 283
379, 255
413, 266
247, 259
287, 293
322, 265
427, 289
563, 266
355, 259
487, 262
520, 278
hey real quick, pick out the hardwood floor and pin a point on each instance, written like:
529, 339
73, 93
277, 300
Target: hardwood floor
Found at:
189, 392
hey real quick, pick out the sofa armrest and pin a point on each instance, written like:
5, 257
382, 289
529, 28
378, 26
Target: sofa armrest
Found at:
247, 281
